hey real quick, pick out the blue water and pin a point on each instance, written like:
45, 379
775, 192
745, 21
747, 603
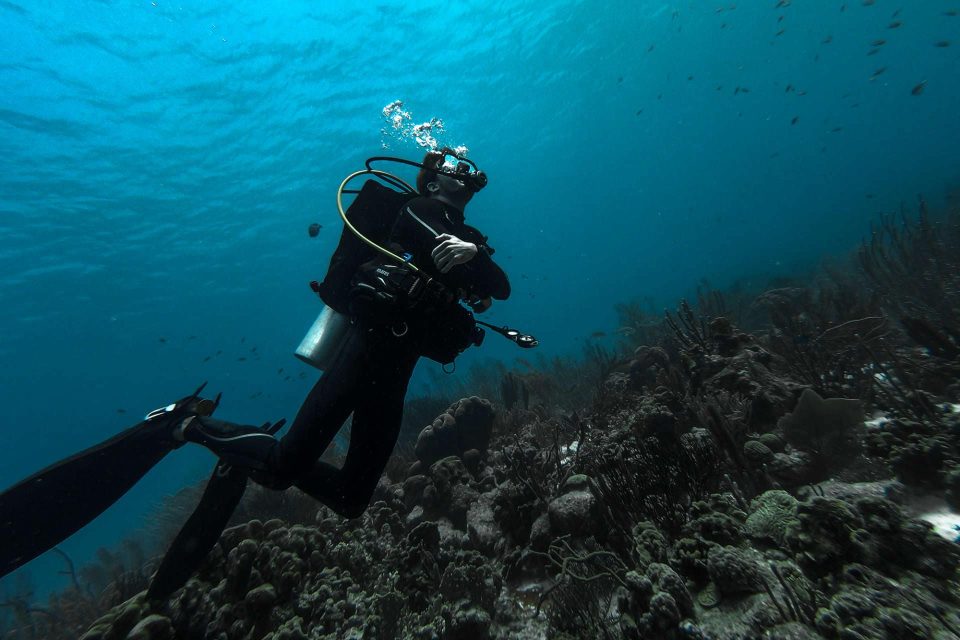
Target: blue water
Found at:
160, 163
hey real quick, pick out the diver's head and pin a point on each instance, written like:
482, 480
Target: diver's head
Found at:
446, 176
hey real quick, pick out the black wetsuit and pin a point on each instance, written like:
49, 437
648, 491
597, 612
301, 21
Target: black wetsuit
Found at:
369, 376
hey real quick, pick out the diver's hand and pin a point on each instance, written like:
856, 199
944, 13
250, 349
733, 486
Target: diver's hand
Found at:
479, 304
452, 251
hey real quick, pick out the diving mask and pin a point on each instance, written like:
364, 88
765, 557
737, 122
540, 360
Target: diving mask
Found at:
463, 169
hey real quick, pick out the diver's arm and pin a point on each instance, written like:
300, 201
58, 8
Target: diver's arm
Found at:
479, 275
490, 280
418, 230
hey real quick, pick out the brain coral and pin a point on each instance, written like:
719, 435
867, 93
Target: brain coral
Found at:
770, 515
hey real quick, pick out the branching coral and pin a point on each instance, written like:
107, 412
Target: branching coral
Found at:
915, 265
645, 482
819, 335
583, 590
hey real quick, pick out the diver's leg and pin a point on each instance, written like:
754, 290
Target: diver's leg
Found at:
201, 531
255, 453
277, 463
328, 405
246, 446
376, 425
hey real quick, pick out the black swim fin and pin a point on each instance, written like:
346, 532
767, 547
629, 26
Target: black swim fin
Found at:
201, 531
204, 526
43, 510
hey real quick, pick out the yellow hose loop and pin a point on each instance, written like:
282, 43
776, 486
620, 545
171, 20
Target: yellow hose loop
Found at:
343, 214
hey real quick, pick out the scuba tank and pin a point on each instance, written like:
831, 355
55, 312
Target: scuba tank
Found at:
323, 341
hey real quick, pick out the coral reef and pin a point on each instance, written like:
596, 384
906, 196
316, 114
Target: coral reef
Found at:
710, 478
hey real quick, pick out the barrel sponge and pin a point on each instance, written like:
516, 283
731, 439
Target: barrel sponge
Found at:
771, 514
466, 425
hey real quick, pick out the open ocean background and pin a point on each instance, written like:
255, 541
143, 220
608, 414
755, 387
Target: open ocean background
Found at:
160, 163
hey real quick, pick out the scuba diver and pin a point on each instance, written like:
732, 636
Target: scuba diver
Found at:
379, 349
405, 261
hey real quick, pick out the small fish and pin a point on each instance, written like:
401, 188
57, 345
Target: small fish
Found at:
191, 337
287, 378
917, 90
598, 334
639, 111
801, 93
243, 339
207, 359
952, 13
894, 24
827, 40
779, 19
895, 13
836, 130
314, 229
868, 196
241, 359
253, 349
650, 48
873, 52
218, 353
782, 3
280, 370
878, 43
779, 33
878, 72
795, 120
626, 331
868, 3
121, 410
619, 79
162, 339
689, 78
788, 89
942, 44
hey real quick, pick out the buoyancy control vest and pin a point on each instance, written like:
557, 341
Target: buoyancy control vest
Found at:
373, 213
